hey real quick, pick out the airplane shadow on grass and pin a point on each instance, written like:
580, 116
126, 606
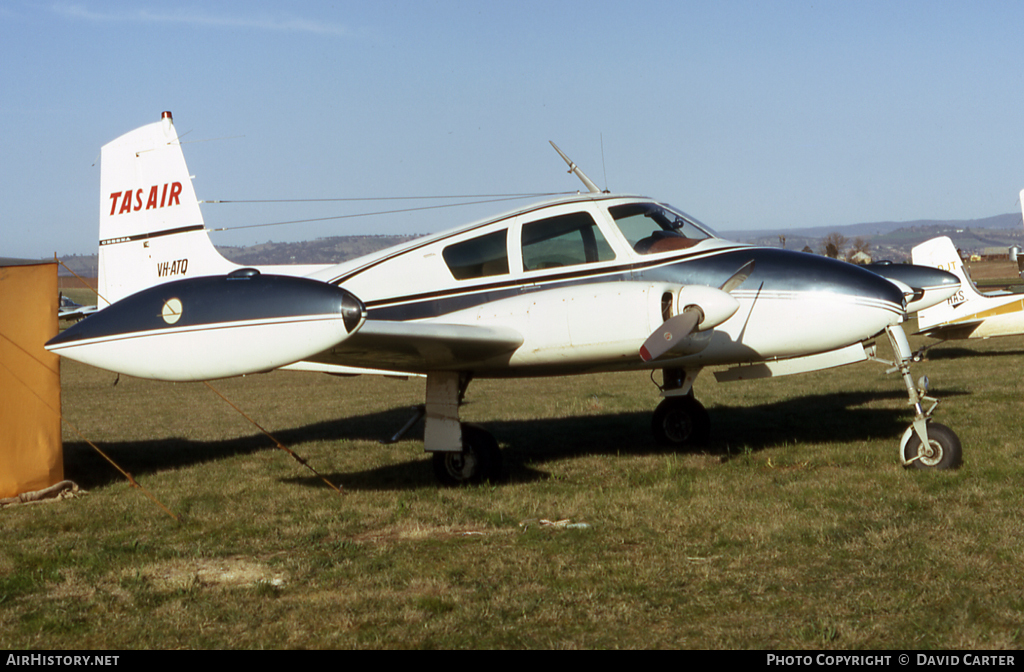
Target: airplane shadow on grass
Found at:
526, 444
965, 353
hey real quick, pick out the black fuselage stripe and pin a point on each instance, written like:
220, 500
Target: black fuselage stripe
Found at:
442, 303
151, 234
520, 283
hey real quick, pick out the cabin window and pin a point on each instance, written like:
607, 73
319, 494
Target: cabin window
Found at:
566, 240
651, 228
478, 257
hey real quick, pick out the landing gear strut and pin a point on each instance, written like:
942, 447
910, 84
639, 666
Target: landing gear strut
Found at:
925, 444
461, 453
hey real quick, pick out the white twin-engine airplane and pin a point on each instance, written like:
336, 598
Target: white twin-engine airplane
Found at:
587, 283
968, 313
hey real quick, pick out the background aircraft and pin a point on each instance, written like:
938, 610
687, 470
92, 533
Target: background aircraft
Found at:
69, 310
586, 283
968, 313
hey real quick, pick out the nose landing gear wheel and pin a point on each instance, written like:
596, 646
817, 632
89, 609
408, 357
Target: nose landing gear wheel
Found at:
942, 452
479, 461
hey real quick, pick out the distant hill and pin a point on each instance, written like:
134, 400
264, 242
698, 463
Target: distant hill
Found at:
886, 240
331, 250
894, 240
85, 265
1009, 221
320, 251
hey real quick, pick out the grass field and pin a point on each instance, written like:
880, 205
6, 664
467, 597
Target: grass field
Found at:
995, 275
796, 529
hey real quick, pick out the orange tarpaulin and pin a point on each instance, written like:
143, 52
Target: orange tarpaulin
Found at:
30, 434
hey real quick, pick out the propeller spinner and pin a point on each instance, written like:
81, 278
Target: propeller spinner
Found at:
706, 308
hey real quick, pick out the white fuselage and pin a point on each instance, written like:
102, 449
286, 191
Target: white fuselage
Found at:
595, 314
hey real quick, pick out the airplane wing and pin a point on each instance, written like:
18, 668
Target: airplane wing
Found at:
75, 313
951, 331
417, 347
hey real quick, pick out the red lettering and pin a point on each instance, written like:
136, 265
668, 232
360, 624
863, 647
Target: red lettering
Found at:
126, 197
126, 203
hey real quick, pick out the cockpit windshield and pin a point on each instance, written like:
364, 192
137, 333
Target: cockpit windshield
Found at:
653, 227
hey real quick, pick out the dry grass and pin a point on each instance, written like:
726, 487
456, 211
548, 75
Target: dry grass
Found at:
994, 275
82, 295
796, 529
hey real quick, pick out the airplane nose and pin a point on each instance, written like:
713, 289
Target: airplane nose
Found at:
923, 286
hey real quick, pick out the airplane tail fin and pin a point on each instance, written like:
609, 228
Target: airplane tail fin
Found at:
941, 253
151, 229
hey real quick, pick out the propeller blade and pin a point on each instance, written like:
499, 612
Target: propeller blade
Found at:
706, 307
738, 277
669, 334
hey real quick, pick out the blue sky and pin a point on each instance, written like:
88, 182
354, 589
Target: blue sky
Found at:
745, 114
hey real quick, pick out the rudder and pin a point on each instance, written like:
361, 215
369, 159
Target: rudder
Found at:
942, 254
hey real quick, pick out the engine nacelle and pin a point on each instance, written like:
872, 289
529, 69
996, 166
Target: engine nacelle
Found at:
214, 327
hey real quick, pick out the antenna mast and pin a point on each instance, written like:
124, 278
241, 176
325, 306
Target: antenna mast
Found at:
573, 168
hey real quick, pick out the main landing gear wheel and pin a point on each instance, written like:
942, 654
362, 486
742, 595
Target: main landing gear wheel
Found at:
479, 461
943, 450
681, 422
